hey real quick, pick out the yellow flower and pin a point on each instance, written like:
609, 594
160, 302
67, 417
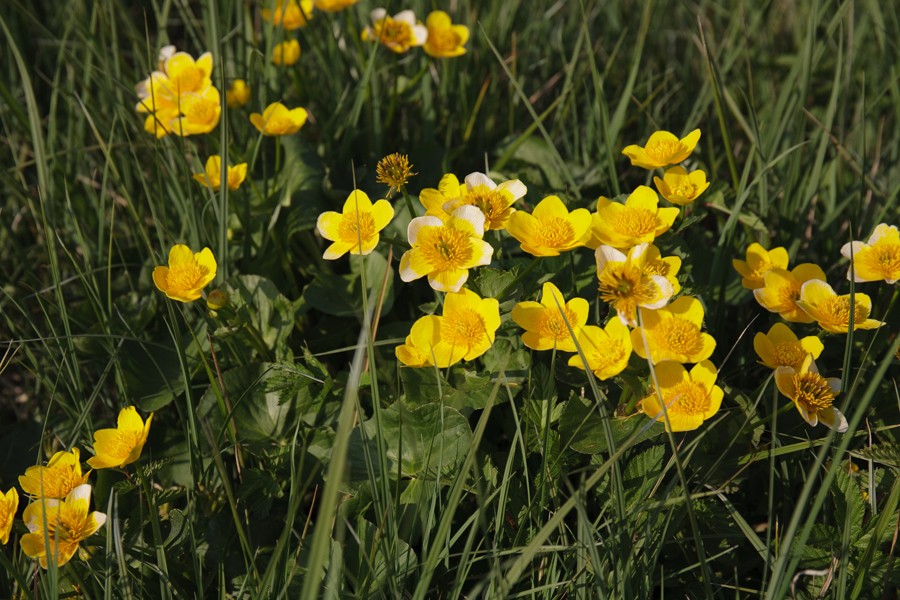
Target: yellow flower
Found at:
393, 171
662, 149
479, 190
626, 285
444, 38
689, 397
781, 290
680, 187
434, 199
121, 446
637, 221
179, 97
212, 178
286, 53
278, 119
333, 5
467, 328
781, 347
877, 259
187, 274
291, 14
551, 228
656, 264
68, 522
812, 394
606, 349
832, 312
759, 261
61, 475
238, 94
543, 321
446, 251
9, 504
673, 333
355, 230
417, 350
200, 112
398, 33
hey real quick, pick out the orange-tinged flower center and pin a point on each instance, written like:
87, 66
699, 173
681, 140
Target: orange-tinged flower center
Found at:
883, 259
202, 111
186, 276
634, 222
463, 329
553, 327
684, 189
679, 336
661, 150
688, 398
657, 267
445, 248
620, 283
356, 227
789, 354
393, 33
813, 392
607, 354
554, 232
123, 444
496, 204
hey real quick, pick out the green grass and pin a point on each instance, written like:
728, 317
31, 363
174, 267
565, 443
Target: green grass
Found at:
290, 455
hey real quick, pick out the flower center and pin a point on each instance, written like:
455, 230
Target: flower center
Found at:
690, 398
813, 392
446, 248
185, 276
496, 204
625, 288
444, 40
553, 327
634, 222
123, 444
606, 354
201, 111
463, 329
789, 354
71, 525
555, 232
660, 151
678, 336
884, 259
684, 189
788, 295
393, 33
356, 227
657, 267
837, 310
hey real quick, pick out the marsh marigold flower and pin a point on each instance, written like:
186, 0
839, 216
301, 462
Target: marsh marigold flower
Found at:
832, 312
398, 33
690, 397
121, 446
781, 290
444, 38
238, 94
551, 228
9, 504
673, 333
680, 187
418, 348
667, 266
467, 327
781, 347
290, 14
200, 112
493, 200
543, 321
277, 119
212, 177
355, 230
877, 259
625, 284
606, 349
812, 394
445, 251
60, 476
662, 149
394, 171
187, 274
636, 221
286, 53
68, 522
333, 5
759, 262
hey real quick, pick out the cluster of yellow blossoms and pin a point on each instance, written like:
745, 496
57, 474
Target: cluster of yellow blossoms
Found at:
439, 36
58, 517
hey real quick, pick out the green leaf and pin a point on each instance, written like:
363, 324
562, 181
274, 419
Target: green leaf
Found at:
257, 304
341, 295
151, 372
492, 282
581, 428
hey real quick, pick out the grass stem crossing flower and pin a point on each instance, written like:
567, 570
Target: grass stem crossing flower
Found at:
56, 527
832, 312
673, 333
60, 476
625, 284
212, 177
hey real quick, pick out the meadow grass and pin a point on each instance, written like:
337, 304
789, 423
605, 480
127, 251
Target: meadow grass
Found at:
290, 455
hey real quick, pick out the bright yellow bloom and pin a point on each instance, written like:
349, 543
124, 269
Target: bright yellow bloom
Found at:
781, 347
355, 230
813, 395
333, 5
68, 523
447, 190
467, 326
187, 274
291, 14
544, 324
680, 187
832, 312
444, 38
662, 149
61, 475
877, 259
212, 178
667, 266
781, 290
637, 221
200, 112
238, 94
180, 96
551, 228
394, 171
121, 446
398, 33
673, 333
626, 285
689, 397
286, 53
417, 351
446, 251
606, 349
479, 190
9, 504
759, 262
278, 119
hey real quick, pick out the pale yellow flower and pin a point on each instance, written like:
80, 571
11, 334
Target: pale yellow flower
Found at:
212, 177
626, 285
878, 259
759, 262
398, 33
355, 229
680, 187
56, 527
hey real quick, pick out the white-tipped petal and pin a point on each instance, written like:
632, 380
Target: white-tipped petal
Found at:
412, 230
665, 290
406, 273
473, 215
514, 187
834, 383
851, 248
475, 179
607, 254
377, 14
487, 252
420, 34
99, 518
406, 16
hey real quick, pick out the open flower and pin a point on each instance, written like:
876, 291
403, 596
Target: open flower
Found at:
56, 527
606, 349
238, 94
492, 199
667, 266
551, 228
625, 285
780, 347
60, 476
418, 349
637, 221
812, 394
286, 53
446, 251
277, 119
291, 14
212, 178
444, 38
832, 312
673, 333
398, 33
121, 446
200, 112
187, 274
9, 504
467, 326
355, 230
543, 321
680, 187
662, 149
689, 397
333, 5
878, 259
759, 262
781, 290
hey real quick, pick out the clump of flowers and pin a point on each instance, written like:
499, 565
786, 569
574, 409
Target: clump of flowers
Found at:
355, 230
187, 273
398, 33
495, 201
781, 291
